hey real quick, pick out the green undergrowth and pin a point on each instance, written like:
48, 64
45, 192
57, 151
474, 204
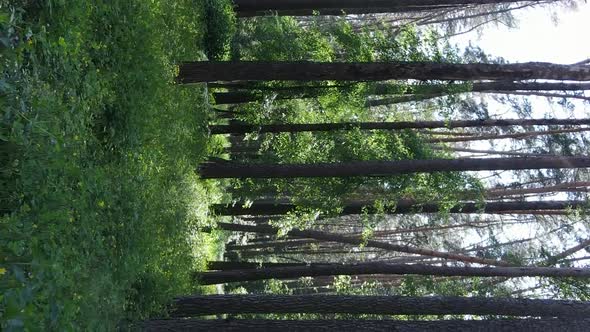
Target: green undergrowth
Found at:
100, 205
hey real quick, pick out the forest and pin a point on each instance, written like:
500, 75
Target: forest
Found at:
298, 165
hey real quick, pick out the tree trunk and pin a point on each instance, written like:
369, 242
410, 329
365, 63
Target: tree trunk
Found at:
580, 186
406, 207
415, 92
248, 8
378, 305
241, 128
344, 11
210, 278
273, 244
400, 99
204, 71
226, 169
490, 152
524, 135
582, 245
420, 89
429, 91
261, 325
357, 240
223, 266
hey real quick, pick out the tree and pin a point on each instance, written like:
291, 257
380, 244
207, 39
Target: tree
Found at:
204, 71
582, 245
240, 128
246, 8
190, 306
263, 325
226, 169
243, 93
406, 207
219, 277
221, 265
521, 135
358, 240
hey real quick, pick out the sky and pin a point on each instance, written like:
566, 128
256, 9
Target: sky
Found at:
553, 34
539, 37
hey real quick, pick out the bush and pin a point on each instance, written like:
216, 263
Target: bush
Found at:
221, 26
101, 209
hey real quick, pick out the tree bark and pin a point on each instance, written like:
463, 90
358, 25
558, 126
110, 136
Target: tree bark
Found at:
405, 207
223, 266
260, 325
204, 71
344, 11
216, 170
580, 186
582, 245
424, 92
524, 135
357, 240
219, 277
401, 99
490, 152
191, 306
272, 244
249, 8
241, 128
415, 92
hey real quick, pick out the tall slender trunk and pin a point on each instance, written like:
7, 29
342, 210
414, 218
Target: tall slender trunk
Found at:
401, 99
273, 244
426, 91
246, 8
204, 71
490, 152
263, 325
219, 277
258, 5
191, 306
407, 207
357, 240
416, 92
344, 11
544, 94
241, 128
221, 265
580, 186
226, 169
386, 88
582, 245
524, 135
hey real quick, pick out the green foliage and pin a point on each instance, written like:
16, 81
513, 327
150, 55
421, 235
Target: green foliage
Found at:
279, 39
221, 27
101, 207
284, 39
352, 145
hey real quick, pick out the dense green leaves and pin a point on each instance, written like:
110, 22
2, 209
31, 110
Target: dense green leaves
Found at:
100, 203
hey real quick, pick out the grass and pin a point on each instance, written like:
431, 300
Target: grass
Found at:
100, 207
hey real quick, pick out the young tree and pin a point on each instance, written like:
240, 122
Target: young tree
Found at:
219, 277
263, 325
226, 169
407, 207
247, 8
190, 306
357, 240
204, 71
243, 93
240, 128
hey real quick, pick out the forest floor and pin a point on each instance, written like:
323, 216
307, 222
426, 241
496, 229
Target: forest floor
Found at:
101, 207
